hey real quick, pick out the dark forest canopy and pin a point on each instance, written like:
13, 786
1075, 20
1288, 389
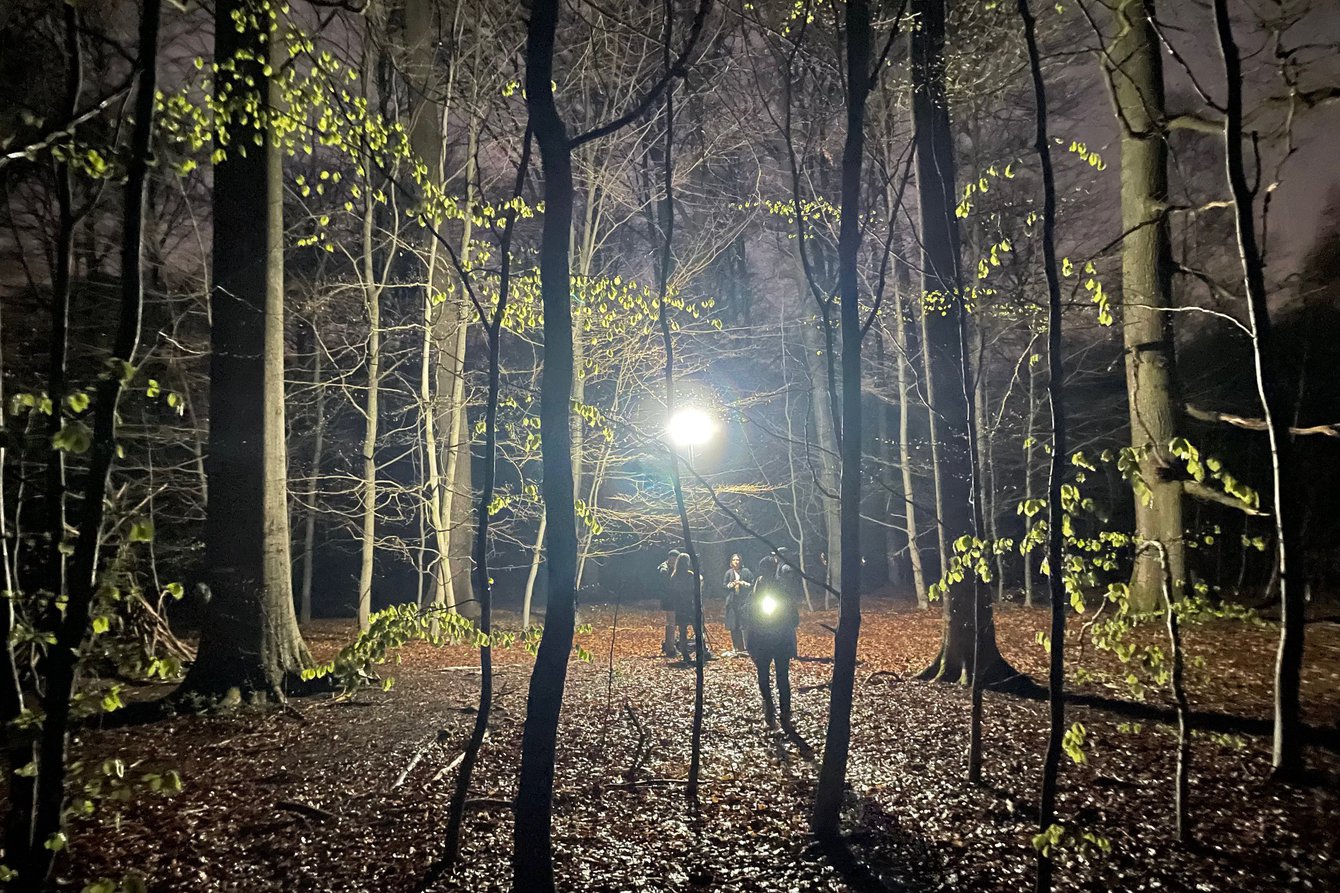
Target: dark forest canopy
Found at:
392, 311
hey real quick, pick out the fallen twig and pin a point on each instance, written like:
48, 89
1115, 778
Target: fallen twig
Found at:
307, 809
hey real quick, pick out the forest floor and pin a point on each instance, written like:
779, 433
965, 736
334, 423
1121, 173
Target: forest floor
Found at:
311, 799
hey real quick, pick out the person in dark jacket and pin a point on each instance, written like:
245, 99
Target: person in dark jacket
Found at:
770, 632
666, 571
739, 585
682, 594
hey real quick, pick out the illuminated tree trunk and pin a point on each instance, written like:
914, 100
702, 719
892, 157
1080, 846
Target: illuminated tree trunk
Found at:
1136, 74
1287, 751
313, 485
837, 740
250, 644
904, 362
1055, 393
371, 410
967, 609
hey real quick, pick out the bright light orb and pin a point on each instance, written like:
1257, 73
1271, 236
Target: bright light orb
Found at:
691, 427
768, 605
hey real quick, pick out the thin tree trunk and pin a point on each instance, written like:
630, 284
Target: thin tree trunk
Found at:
61, 288
313, 485
483, 585
1055, 393
532, 857
928, 374
62, 660
663, 271
904, 414
1287, 751
1029, 433
371, 409
537, 551
826, 821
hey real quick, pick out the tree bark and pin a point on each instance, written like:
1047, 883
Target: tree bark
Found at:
313, 485
904, 415
1136, 73
532, 857
944, 348
826, 820
61, 665
250, 643
1056, 396
1287, 750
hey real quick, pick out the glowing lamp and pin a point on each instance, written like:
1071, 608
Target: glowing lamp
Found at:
768, 605
690, 427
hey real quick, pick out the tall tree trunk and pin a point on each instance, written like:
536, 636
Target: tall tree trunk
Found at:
453, 417
904, 415
532, 857
536, 553
250, 643
1055, 393
1287, 752
1029, 434
938, 472
985, 457
371, 410
967, 615
427, 133
483, 584
313, 485
1136, 73
837, 742
61, 287
61, 665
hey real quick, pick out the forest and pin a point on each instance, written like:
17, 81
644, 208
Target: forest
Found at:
874, 445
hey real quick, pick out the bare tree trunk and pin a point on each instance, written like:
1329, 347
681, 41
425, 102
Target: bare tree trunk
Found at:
528, 599
985, 457
250, 644
1287, 752
532, 858
61, 665
451, 374
968, 649
1029, 430
483, 584
1136, 74
371, 410
928, 374
313, 485
61, 287
1055, 393
826, 820
904, 413
428, 130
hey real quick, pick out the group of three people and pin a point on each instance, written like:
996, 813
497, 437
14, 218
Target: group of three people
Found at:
762, 614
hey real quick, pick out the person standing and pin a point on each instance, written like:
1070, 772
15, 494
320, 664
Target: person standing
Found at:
770, 633
682, 587
668, 593
739, 584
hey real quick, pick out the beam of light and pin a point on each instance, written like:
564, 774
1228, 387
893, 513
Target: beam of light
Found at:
690, 427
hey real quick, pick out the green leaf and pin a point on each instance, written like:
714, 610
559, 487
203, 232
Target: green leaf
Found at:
142, 531
77, 402
56, 842
73, 437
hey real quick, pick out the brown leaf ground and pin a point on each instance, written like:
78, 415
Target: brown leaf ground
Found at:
305, 800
